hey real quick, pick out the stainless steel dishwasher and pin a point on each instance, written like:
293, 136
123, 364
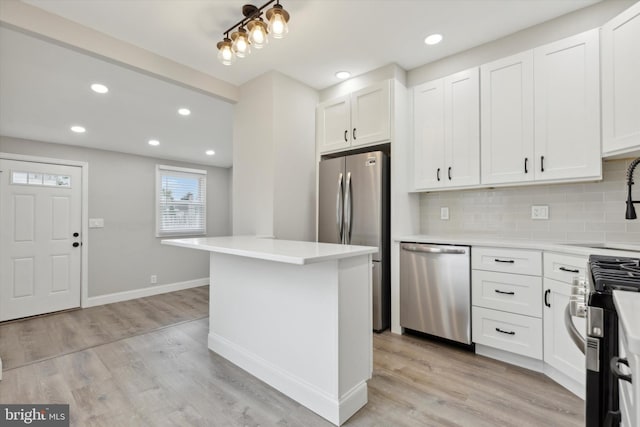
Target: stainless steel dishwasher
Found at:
435, 290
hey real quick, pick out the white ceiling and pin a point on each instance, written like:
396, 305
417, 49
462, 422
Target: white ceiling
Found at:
325, 36
45, 89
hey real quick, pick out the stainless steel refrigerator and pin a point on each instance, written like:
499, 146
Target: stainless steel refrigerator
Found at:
354, 209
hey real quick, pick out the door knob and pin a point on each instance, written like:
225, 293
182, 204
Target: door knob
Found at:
76, 234
76, 244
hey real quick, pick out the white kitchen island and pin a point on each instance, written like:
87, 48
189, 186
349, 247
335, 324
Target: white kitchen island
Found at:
297, 315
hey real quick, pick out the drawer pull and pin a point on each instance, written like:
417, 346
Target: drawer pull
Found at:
498, 291
505, 332
569, 270
507, 261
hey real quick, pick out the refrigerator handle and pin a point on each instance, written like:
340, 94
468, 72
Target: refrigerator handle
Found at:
339, 208
348, 205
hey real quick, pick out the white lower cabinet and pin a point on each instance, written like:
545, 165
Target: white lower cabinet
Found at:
629, 400
513, 293
518, 302
559, 351
506, 310
507, 331
563, 361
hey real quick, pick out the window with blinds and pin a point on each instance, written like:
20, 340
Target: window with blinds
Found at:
181, 206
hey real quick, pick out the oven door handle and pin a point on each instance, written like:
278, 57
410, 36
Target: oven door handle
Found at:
615, 369
577, 339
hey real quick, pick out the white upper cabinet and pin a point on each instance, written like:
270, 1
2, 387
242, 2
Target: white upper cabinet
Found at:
361, 118
334, 121
506, 108
428, 107
567, 109
462, 128
447, 132
621, 83
371, 115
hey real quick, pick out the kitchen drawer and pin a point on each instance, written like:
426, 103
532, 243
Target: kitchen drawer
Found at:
506, 331
516, 261
514, 293
564, 268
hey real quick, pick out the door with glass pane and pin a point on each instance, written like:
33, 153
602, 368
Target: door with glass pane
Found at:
40, 241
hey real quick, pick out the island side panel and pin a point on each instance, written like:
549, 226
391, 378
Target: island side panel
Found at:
279, 322
356, 337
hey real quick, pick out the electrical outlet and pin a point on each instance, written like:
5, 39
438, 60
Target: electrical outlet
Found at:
154, 279
96, 222
539, 212
444, 213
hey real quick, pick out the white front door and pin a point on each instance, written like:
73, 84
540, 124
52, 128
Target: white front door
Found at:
40, 226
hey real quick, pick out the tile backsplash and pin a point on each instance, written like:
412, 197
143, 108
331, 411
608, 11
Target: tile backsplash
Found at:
580, 212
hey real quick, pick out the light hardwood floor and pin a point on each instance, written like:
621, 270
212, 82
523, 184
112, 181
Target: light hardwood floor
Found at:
146, 363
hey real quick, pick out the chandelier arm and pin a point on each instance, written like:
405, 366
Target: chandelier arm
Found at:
248, 18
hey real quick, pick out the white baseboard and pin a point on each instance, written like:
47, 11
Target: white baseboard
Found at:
144, 292
337, 411
510, 358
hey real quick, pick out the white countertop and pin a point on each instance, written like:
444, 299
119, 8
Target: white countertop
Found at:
287, 251
628, 250
628, 308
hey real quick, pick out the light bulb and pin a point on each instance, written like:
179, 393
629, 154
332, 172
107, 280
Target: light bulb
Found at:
278, 18
225, 53
240, 43
257, 33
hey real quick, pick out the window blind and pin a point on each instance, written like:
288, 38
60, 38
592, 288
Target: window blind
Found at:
181, 201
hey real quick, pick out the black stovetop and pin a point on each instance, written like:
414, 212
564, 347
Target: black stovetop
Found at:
614, 273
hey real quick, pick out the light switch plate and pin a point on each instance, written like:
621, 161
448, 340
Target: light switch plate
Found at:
96, 222
540, 212
444, 213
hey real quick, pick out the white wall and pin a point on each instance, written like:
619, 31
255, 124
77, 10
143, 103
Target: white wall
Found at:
295, 167
253, 158
390, 71
125, 253
273, 158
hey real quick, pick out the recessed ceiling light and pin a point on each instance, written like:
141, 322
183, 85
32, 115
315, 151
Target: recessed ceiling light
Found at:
184, 111
99, 88
210, 152
343, 75
78, 129
154, 142
433, 39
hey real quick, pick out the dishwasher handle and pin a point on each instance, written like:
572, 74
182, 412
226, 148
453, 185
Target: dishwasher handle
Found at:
433, 249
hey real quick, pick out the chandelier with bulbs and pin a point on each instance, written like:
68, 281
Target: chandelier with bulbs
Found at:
252, 31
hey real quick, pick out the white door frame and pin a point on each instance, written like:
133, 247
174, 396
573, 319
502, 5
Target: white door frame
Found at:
84, 166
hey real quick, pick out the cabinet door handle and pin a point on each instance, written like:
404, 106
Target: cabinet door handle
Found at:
546, 297
354, 134
526, 162
506, 261
541, 163
449, 173
569, 270
498, 291
505, 332
345, 136
438, 174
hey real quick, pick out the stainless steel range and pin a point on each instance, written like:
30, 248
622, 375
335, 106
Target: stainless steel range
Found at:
593, 299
